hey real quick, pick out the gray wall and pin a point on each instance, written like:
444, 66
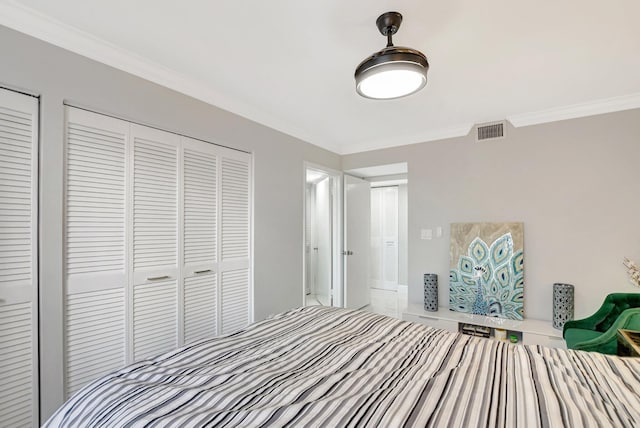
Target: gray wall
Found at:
57, 76
574, 184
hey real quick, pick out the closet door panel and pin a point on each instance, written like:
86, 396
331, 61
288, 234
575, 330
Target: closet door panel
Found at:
235, 246
95, 195
99, 313
95, 246
235, 207
18, 378
18, 259
200, 205
200, 235
155, 317
235, 300
200, 307
18, 195
155, 203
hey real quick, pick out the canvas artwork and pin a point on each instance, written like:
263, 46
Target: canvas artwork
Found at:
487, 269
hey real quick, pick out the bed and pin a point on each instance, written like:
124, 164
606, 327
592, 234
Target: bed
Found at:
331, 367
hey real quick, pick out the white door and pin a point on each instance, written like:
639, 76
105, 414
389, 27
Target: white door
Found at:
217, 239
236, 308
200, 237
154, 241
357, 213
18, 259
95, 246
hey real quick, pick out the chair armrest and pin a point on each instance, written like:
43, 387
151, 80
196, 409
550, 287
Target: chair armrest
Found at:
628, 319
591, 321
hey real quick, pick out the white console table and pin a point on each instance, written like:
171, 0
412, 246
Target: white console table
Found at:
532, 332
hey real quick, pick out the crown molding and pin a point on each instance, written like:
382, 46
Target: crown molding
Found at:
574, 111
40, 26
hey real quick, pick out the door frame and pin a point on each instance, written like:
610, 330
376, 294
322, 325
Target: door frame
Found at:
336, 232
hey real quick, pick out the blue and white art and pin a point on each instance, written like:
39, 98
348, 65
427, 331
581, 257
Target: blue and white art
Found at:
487, 269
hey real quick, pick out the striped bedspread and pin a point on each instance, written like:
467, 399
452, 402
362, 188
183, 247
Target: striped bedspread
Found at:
327, 367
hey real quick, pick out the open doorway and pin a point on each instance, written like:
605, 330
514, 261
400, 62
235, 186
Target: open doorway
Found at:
387, 277
322, 228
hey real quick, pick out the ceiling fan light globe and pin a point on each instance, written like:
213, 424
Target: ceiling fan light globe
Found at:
391, 80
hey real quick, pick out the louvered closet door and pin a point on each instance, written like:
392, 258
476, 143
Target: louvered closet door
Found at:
235, 243
155, 241
95, 246
18, 260
200, 200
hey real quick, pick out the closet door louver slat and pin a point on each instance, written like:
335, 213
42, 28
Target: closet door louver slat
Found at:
95, 247
18, 259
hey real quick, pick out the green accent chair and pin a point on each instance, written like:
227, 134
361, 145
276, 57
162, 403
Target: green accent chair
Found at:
598, 333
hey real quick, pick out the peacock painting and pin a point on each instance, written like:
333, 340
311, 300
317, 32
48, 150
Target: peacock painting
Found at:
487, 269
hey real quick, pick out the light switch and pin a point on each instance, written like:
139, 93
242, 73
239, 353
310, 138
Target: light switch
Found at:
438, 232
426, 234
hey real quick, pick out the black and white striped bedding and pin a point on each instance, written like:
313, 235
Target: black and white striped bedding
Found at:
333, 367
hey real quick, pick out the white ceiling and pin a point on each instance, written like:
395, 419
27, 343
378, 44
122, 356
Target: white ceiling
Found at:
289, 64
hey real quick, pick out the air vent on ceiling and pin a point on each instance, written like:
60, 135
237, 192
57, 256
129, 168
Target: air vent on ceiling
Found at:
491, 131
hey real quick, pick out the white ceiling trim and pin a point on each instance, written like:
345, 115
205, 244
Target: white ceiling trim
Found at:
591, 108
26, 20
